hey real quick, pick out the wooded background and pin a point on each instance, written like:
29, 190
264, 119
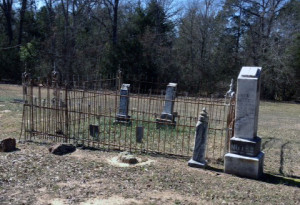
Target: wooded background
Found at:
200, 44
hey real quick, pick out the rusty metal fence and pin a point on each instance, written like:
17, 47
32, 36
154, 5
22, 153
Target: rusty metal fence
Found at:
84, 113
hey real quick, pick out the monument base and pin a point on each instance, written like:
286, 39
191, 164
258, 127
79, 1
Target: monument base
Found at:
123, 120
251, 167
245, 147
193, 163
162, 123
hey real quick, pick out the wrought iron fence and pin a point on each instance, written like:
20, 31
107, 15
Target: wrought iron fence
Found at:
85, 113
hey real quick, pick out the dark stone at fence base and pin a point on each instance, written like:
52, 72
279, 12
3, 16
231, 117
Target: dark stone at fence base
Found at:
62, 149
8, 145
250, 148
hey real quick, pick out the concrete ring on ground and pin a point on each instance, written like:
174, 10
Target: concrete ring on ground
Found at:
142, 162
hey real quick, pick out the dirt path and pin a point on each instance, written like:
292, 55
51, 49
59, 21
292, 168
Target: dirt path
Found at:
33, 176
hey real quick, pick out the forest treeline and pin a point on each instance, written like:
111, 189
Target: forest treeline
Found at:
200, 44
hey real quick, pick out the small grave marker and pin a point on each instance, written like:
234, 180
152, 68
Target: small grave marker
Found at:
139, 134
94, 131
198, 159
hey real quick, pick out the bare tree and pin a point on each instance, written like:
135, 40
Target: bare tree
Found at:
6, 7
22, 14
259, 17
112, 7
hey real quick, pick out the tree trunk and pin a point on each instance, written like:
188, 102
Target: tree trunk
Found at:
115, 23
22, 15
6, 6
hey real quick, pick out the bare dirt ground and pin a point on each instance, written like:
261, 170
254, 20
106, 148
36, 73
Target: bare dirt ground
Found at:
32, 175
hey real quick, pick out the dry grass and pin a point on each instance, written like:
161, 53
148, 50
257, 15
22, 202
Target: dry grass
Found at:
33, 176
10, 113
279, 127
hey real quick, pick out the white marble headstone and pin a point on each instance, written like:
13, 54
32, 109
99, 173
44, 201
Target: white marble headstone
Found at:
247, 103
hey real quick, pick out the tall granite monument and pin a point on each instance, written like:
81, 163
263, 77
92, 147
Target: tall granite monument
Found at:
122, 116
198, 159
245, 157
167, 116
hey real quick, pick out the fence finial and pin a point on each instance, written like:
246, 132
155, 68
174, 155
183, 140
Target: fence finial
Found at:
203, 115
230, 93
54, 75
26, 77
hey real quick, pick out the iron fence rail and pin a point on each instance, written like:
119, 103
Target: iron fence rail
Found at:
85, 113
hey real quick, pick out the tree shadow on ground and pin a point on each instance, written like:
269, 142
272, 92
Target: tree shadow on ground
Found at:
275, 179
270, 178
267, 177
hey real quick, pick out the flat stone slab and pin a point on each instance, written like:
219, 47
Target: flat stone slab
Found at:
193, 163
250, 148
251, 167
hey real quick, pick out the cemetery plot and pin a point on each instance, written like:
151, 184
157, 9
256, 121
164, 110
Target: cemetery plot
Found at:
278, 126
104, 114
